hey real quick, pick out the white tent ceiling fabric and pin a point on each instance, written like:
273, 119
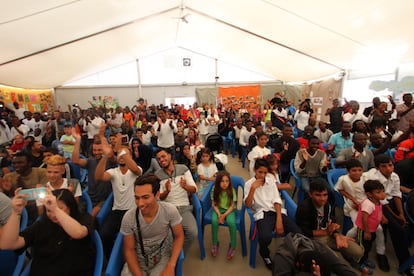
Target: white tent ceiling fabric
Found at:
50, 42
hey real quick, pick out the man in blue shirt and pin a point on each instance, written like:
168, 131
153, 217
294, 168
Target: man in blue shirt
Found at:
340, 140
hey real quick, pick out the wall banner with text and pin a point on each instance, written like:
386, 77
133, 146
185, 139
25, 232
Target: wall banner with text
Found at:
34, 100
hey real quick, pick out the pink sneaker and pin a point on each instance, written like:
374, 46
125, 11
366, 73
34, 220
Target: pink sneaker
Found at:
214, 250
230, 253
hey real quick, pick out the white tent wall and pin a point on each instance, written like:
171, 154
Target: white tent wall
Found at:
126, 95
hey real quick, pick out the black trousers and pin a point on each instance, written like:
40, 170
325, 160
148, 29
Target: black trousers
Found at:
398, 234
266, 226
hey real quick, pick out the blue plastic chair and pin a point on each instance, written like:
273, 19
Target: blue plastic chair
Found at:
229, 141
105, 209
332, 162
333, 175
99, 259
116, 260
79, 173
87, 199
298, 182
10, 262
391, 154
237, 182
290, 206
198, 217
96, 240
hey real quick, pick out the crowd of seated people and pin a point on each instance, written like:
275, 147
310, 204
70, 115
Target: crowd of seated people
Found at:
117, 146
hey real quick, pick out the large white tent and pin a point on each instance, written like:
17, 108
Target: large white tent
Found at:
50, 42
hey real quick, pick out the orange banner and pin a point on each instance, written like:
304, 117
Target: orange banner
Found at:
246, 97
34, 100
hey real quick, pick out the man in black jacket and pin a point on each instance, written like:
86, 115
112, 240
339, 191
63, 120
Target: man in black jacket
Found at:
286, 146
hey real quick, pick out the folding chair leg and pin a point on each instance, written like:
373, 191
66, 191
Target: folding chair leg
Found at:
253, 251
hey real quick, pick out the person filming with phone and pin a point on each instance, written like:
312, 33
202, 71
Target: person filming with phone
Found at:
61, 239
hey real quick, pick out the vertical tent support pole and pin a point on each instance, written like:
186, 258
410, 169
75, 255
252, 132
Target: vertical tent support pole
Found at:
139, 80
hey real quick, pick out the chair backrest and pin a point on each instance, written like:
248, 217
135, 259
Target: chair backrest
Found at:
76, 170
105, 209
86, 198
79, 173
292, 169
24, 219
196, 206
332, 162
116, 260
99, 258
334, 174
237, 183
205, 199
391, 154
290, 205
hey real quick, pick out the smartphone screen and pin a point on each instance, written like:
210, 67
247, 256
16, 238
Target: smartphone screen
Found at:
33, 194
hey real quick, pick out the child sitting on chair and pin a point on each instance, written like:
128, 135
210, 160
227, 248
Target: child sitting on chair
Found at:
206, 170
223, 198
262, 196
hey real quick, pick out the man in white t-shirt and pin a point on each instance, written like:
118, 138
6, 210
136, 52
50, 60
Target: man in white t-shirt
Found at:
5, 136
213, 122
122, 179
91, 124
39, 127
165, 129
29, 121
19, 111
176, 184
18, 128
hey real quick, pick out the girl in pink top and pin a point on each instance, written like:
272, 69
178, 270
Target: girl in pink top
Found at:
368, 218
